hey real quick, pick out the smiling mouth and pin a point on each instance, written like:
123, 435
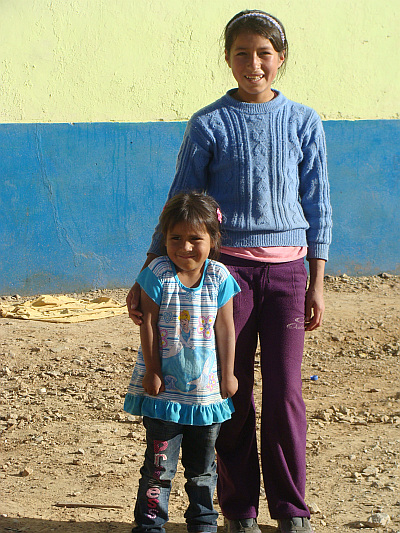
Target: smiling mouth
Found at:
254, 78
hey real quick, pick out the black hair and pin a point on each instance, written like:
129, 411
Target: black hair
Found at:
197, 209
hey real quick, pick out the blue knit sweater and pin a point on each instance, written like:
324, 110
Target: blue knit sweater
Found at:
265, 164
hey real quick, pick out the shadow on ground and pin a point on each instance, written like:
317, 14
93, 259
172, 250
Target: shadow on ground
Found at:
37, 525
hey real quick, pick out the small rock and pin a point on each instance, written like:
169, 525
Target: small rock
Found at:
370, 471
25, 472
313, 508
379, 519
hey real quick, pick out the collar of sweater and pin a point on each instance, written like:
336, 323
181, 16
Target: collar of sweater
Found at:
255, 109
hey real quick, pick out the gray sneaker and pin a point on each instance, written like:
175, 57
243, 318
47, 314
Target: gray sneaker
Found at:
295, 525
244, 525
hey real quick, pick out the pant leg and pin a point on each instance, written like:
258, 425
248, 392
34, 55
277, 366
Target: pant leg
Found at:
159, 468
237, 456
198, 460
283, 419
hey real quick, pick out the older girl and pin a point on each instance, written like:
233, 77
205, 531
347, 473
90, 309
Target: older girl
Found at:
263, 158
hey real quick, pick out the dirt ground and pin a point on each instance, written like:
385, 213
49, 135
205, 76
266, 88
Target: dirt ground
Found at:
66, 446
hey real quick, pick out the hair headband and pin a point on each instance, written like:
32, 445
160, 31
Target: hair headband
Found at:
265, 16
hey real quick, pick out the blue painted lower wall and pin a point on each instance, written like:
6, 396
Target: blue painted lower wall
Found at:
78, 202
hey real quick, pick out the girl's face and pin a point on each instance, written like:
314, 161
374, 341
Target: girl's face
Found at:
188, 247
254, 63
185, 324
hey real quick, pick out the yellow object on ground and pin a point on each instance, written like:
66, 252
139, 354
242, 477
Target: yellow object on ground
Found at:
63, 309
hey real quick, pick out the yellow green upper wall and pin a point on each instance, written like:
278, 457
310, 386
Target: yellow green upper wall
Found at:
148, 60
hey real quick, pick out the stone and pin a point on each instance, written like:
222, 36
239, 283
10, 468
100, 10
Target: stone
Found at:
313, 508
370, 471
379, 519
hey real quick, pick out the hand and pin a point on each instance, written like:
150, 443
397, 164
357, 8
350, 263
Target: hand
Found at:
229, 386
315, 308
133, 304
153, 383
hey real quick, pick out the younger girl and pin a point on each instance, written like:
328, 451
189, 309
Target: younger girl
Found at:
183, 378
263, 158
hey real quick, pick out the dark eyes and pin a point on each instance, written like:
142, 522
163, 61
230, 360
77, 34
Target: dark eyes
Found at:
264, 53
178, 238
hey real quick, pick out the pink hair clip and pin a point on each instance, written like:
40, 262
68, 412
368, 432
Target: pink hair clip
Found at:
219, 215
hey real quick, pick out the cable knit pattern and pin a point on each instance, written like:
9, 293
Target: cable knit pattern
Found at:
265, 164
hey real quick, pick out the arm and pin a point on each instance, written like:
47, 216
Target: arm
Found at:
315, 305
133, 297
191, 174
153, 382
314, 189
191, 171
225, 335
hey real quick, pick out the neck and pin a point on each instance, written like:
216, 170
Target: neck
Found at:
190, 279
268, 97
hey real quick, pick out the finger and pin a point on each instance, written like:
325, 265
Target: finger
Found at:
314, 323
136, 316
308, 314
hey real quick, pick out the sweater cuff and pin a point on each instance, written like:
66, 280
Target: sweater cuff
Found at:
318, 251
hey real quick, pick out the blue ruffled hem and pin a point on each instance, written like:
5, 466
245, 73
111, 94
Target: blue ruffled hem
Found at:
191, 415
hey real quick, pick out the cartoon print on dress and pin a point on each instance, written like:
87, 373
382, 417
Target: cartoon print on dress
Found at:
163, 338
188, 296
212, 381
167, 316
188, 370
182, 337
205, 326
208, 380
185, 335
187, 367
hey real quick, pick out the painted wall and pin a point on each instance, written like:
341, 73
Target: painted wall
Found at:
147, 60
90, 91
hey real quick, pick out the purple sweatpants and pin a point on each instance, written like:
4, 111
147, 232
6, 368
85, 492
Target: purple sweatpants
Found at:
270, 307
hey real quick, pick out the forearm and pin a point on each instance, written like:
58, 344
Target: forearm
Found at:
150, 347
225, 336
226, 352
317, 271
315, 306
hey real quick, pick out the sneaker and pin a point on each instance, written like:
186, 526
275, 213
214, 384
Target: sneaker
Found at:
295, 525
244, 525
